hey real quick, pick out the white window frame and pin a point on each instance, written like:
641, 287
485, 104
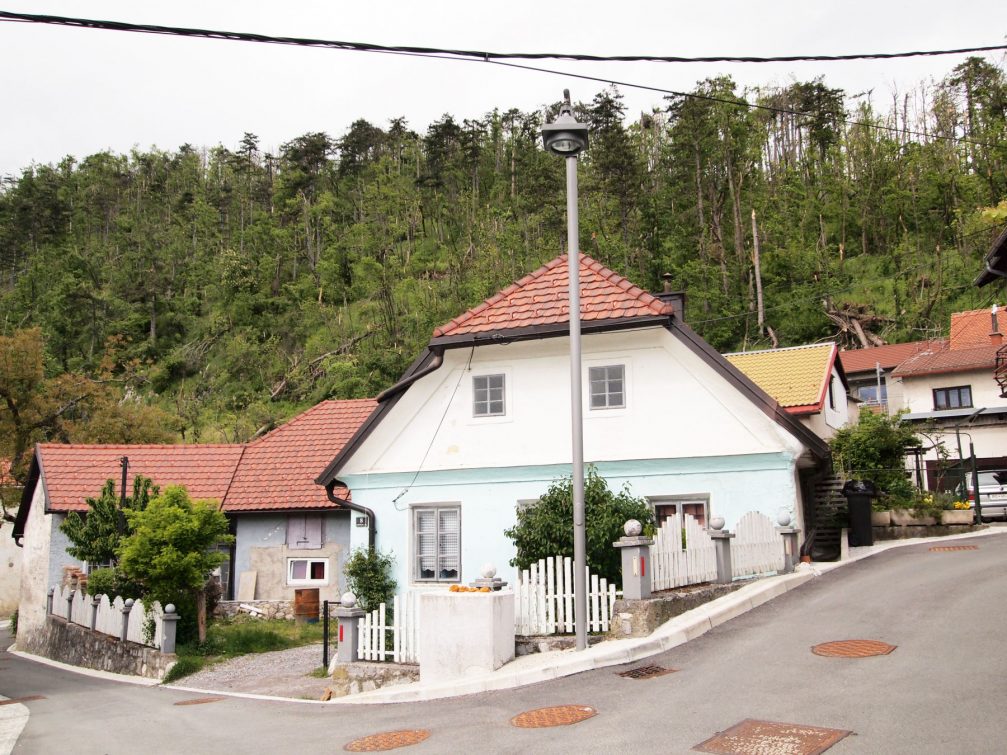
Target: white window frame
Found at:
607, 379
414, 570
307, 581
489, 400
678, 501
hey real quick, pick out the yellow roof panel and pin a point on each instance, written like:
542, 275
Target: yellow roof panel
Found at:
796, 376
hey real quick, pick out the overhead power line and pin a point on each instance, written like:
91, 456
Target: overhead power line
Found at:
503, 59
89, 23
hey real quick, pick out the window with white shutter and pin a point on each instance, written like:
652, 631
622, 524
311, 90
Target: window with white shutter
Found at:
437, 543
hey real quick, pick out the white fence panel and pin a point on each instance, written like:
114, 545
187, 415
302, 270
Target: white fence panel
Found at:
138, 619
757, 547
674, 565
80, 609
109, 620
543, 599
396, 638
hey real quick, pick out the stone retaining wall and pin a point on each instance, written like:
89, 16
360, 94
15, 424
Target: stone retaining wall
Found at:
638, 618
351, 678
271, 609
61, 641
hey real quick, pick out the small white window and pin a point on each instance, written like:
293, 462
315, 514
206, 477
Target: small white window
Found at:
488, 396
307, 571
437, 544
608, 386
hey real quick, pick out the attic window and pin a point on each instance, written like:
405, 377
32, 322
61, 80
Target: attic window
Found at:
608, 386
304, 531
488, 396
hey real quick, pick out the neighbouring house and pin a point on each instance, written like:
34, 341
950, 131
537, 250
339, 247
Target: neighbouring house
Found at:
807, 381
480, 424
949, 392
995, 263
288, 531
10, 554
869, 372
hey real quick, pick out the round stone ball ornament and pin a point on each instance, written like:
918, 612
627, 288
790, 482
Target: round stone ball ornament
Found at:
632, 528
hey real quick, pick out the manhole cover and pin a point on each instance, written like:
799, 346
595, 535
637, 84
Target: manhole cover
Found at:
752, 737
559, 715
28, 699
946, 548
647, 672
853, 648
200, 700
387, 740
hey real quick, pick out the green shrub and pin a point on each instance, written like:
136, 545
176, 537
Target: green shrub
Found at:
545, 528
12, 623
874, 449
369, 577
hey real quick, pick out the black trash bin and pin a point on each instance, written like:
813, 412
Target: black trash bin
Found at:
858, 498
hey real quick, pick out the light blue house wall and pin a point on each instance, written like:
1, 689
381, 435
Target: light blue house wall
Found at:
489, 498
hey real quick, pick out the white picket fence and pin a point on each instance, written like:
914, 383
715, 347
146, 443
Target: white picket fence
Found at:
108, 619
757, 547
543, 599
675, 565
403, 627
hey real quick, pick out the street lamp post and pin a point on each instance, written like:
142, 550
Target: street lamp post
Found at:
568, 138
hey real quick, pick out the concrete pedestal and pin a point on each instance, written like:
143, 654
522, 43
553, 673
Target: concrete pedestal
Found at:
722, 542
349, 624
790, 547
635, 566
465, 633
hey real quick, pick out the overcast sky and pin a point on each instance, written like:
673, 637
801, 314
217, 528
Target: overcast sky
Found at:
77, 91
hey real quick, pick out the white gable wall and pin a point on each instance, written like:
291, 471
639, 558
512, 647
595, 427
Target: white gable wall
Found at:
676, 406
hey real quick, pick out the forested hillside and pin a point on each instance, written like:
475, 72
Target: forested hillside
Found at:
204, 293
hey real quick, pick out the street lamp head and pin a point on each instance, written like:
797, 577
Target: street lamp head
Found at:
565, 136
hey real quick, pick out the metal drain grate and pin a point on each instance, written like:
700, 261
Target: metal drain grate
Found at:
853, 648
752, 737
646, 672
387, 740
200, 700
28, 699
946, 548
560, 715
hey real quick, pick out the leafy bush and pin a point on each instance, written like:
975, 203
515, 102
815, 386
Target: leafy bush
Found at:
12, 623
111, 581
369, 577
874, 449
545, 528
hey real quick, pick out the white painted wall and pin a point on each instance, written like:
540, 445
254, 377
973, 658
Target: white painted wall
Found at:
677, 406
839, 416
35, 564
10, 569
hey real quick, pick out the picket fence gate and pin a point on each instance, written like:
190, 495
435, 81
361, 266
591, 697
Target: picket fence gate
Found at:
401, 631
757, 546
675, 564
543, 599
108, 617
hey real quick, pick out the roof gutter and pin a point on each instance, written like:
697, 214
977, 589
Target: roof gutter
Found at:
435, 363
372, 527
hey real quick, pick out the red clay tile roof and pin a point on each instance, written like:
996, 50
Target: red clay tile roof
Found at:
948, 360
890, 355
541, 299
74, 473
6, 480
973, 328
274, 473
277, 471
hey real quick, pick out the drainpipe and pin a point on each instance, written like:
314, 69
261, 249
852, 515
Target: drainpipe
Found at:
438, 360
372, 528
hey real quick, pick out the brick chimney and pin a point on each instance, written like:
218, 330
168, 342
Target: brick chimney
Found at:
996, 337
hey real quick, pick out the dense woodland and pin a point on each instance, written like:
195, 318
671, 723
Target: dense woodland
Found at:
204, 294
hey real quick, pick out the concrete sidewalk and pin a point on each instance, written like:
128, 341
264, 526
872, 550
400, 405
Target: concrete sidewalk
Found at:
540, 667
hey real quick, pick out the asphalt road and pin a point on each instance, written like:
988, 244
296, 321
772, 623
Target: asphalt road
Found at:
941, 691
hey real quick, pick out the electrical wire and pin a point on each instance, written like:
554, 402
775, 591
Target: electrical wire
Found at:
88, 23
502, 58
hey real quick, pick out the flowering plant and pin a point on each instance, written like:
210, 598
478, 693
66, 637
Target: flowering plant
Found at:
960, 505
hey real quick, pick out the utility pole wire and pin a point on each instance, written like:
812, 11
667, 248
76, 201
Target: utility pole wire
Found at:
89, 23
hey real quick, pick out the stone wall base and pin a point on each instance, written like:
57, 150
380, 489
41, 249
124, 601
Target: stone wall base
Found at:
351, 678
61, 641
546, 643
638, 618
271, 609
901, 532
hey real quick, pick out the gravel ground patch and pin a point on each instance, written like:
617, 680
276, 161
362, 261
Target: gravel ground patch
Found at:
283, 673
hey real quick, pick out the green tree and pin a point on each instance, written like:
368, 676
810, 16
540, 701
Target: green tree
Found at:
368, 576
545, 528
173, 549
97, 536
874, 449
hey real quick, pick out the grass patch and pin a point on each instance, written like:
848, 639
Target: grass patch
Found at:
229, 638
319, 673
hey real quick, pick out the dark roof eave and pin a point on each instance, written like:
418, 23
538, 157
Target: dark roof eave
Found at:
995, 260
536, 332
27, 494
